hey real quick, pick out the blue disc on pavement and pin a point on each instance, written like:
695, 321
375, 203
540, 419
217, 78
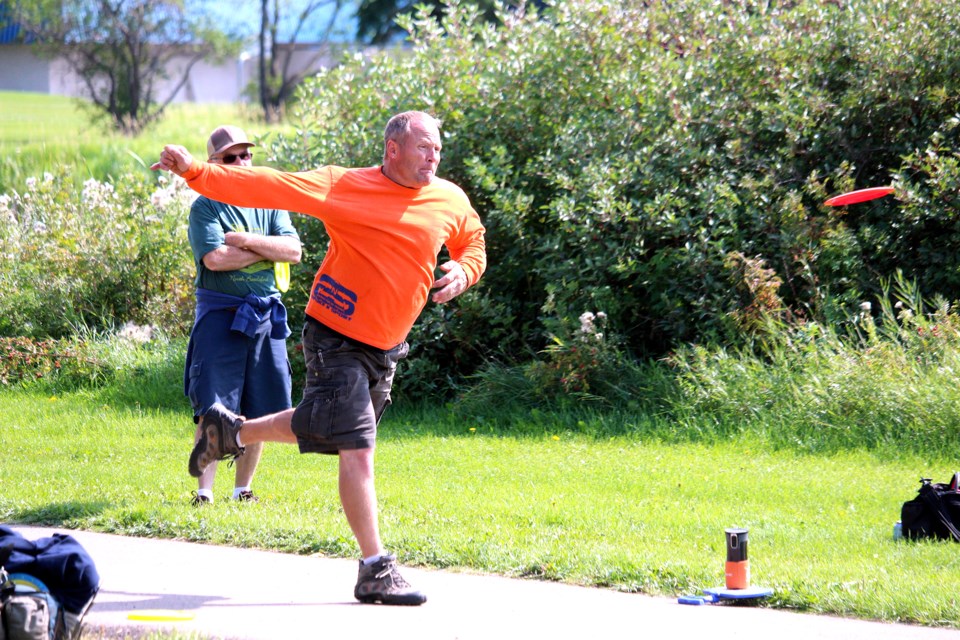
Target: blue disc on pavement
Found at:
739, 594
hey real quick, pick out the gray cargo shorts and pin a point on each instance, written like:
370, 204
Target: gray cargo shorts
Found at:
346, 391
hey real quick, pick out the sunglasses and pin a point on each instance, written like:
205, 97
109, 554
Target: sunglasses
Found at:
229, 158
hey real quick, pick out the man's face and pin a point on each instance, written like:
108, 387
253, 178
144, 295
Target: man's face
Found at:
413, 160
238, 155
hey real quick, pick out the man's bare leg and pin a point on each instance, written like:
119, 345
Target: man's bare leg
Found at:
359, 499
275, 427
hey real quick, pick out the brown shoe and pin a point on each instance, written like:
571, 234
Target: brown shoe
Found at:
218, 439
198, 500
381, 582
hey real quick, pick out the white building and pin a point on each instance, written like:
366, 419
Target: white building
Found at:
22, 70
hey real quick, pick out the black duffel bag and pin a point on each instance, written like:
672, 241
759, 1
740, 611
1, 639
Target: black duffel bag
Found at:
934, 513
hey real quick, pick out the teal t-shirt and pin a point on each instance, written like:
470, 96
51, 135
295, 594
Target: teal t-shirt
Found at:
210, 220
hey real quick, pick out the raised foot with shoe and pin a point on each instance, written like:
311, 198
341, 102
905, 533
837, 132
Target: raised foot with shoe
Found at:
218, 439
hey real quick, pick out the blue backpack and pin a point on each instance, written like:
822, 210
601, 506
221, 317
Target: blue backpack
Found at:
46, 586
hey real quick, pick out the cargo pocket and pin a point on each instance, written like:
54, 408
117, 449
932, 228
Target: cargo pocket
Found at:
315, 417
192, 377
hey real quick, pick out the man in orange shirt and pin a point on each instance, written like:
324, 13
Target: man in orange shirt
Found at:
387, 225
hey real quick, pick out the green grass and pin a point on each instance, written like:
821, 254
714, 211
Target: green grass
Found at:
42, 133
618, 512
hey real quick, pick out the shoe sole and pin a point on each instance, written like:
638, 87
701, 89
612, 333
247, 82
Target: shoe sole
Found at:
403, 601
199, 459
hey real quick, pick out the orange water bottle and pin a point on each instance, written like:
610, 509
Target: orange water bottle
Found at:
738, 566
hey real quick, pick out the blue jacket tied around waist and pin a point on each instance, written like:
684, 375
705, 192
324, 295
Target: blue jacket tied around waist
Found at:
250, 313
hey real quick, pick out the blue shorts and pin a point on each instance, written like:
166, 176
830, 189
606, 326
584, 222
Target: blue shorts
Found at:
346, 391
249, 376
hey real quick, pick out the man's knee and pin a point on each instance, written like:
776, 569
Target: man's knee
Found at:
357, 461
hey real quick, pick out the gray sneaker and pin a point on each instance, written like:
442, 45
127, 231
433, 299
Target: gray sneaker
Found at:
382, 582
218, 439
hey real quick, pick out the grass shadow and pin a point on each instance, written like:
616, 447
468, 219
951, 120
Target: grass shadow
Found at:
57, 514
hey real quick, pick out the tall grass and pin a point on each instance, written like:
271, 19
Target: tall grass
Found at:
41, 133
884, 382
888, 382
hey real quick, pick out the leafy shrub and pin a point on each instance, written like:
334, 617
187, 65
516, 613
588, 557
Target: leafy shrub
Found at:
136, 364
24, 360
637, 158
664, 163
115, 252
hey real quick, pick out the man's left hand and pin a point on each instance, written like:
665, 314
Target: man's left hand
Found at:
453, 283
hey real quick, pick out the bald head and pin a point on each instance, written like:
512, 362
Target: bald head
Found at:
398, 127
411, 149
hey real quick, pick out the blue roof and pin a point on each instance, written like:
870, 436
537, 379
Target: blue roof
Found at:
11, 32
8, 33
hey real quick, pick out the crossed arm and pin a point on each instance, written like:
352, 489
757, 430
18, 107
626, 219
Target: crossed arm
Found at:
241, 249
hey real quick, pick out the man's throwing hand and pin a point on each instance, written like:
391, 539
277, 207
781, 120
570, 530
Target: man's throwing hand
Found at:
174, 158
452, 284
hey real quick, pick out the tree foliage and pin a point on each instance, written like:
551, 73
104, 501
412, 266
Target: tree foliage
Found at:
377, 19
123, 50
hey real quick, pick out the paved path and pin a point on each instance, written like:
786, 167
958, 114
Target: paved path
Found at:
259, 595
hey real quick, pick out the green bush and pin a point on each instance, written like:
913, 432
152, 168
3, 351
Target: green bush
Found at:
129, 359
632, 159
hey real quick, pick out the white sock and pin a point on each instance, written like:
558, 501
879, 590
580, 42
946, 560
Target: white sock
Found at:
206, 493
372, 559
238, 490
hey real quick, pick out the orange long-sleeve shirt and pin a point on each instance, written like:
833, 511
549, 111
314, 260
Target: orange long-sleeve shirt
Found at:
384, 239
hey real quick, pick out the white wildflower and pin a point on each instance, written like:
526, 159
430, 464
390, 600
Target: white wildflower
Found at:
98, 194
588, 325
136, 333
160, 198
586, 322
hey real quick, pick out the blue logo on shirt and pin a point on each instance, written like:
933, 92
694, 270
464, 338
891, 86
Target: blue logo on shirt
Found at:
335, 297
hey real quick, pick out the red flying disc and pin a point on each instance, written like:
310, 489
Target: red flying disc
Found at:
861, 195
